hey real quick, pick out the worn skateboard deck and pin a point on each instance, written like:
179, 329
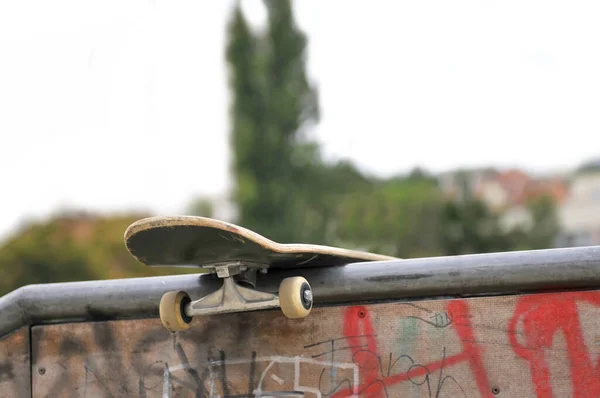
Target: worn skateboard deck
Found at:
189, 241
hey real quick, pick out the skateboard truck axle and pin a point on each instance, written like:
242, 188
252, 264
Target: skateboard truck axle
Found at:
231, 297
295, 298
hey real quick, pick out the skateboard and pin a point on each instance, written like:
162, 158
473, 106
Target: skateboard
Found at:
236, 255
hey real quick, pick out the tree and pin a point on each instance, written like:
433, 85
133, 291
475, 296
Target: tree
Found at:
201, 207
273, 104
72, 247
545, 224
246, 114
468, 226
399, 217
37, 256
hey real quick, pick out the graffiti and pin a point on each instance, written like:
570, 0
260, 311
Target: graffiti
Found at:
435, 319
295, 365
366, 360
378, 377
536, 345
542, 318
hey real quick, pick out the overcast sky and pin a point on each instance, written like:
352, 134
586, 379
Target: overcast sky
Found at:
118, 105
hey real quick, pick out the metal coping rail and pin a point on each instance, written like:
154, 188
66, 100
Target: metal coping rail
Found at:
459, 276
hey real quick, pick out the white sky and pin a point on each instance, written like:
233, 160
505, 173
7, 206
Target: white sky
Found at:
117, 105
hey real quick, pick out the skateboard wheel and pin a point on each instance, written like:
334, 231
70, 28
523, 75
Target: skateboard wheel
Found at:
172, 311
295, 297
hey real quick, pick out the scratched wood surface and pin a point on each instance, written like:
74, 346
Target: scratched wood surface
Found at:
15, 365
516, 346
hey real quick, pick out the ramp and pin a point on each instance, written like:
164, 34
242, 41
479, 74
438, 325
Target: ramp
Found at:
386, 340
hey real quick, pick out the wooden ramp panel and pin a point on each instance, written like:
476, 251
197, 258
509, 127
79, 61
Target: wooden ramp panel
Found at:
515, 346
15, 380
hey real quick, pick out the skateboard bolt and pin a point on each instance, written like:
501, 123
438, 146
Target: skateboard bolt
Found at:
308, 296
263, 270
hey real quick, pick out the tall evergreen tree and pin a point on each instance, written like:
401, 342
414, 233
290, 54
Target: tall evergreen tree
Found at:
246, 115
273, 104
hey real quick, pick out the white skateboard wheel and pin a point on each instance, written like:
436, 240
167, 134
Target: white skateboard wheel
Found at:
172, 311
295, 297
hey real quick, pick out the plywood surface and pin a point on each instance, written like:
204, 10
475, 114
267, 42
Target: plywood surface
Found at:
14, 365
517, 346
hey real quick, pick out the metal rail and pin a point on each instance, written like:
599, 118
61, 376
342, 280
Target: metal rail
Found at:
466, 275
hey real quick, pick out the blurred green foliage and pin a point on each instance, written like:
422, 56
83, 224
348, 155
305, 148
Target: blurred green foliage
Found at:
72, 247
201, 207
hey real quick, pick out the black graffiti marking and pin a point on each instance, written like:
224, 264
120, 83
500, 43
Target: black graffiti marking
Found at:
101, 381
367, 360
338, 349
336, 388
151, 376
206, 368
68, 348
111, 378
333, 349
223, 378
417, 307
328, 341
150, 370
441, 379
223, 374
440, 319
183, 359
252, 373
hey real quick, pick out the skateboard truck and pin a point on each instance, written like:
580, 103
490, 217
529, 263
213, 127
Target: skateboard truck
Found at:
294, 297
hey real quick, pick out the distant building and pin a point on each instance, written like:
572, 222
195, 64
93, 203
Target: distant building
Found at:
458, 184
508, 192
518, 213
504, 189
579, 215
505, 192
556, 188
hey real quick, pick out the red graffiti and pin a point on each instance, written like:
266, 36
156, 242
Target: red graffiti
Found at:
543, 316
359, 332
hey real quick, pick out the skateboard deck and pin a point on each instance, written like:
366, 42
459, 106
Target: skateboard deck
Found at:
190, 241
